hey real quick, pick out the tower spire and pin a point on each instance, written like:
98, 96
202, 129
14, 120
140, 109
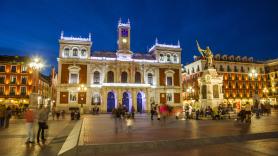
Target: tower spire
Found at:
90, 36
120, 21
62, 34
178, 42
156, 40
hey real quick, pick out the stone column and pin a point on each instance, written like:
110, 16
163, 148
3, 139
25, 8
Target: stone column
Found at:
147, 100
134, 97
104, 100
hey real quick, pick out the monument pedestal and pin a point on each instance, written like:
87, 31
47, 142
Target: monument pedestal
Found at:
211, 93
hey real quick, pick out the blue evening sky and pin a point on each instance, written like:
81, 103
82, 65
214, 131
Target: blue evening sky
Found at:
239, 27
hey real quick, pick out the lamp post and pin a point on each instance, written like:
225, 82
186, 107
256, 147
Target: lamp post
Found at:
254, 74
265, 91
36, 65
82, 88
190, 91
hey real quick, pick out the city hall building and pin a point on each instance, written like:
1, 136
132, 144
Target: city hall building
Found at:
105, 79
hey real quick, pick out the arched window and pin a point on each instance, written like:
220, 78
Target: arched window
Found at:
110, 77
83, 52
168, 58
175, 58
75, 52
150, 78
161, 57
96, 77
124, 77
66, 52
137, 77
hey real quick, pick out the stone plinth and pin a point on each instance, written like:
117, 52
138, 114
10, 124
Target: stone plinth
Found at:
211, 93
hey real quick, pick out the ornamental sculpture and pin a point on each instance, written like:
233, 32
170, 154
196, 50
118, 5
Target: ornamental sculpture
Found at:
207, 54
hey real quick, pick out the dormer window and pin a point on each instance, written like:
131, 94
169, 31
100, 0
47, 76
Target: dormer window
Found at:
169, 77
74, 52
168, 58
66, 52
83, 52
74, 74
175, 58
161, 57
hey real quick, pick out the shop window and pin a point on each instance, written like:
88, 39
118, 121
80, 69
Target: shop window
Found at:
96, 77
169, 81
2, 68
13, 79
124, 77
13, 69
12, 91
110, 77
150, 78
73, 97
137, 77
169, 97
2, 79
23, 80
23, 90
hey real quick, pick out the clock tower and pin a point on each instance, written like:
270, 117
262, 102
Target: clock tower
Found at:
124, 37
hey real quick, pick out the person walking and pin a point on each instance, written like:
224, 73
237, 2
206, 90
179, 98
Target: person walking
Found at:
2, 116
132, 112
152, 112
42, 119
57, 115
8, 115
29, 119
129, 123
248, 112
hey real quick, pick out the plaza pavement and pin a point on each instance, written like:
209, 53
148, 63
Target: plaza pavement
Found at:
102, 135
12, 139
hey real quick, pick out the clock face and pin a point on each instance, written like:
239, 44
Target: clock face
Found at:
124, 33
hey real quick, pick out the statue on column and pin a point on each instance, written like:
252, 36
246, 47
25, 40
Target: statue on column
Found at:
207, 54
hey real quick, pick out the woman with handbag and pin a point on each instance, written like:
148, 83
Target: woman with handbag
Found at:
42, 119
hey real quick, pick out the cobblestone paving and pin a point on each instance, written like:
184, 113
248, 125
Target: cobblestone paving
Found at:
103, 129
12, 139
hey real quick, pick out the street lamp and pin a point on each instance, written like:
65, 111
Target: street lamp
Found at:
190, 91
36, 65
265, 91
253, 73
82, 88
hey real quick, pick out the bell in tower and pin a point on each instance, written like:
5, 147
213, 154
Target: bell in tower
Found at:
124, 37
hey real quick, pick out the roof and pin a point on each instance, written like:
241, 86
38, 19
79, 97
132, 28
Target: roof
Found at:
138, 55
104, 54
18, 59
143, 56
45, 78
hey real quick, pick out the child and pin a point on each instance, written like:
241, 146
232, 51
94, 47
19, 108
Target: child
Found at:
129, 123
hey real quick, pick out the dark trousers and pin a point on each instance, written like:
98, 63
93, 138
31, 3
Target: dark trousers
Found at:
2, 122
41, 131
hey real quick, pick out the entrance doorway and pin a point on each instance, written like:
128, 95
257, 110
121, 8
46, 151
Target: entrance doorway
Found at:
127, 100
141, 102
111, 102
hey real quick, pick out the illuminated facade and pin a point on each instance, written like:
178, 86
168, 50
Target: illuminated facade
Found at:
243, 78
17, 81
272, 77
121, 76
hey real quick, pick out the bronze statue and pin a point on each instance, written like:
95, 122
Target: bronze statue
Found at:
206, 53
